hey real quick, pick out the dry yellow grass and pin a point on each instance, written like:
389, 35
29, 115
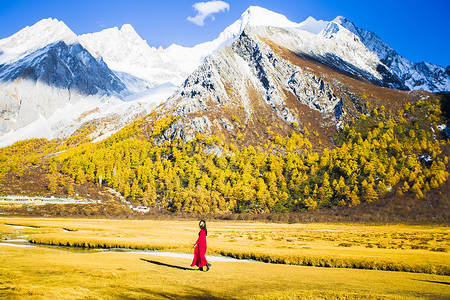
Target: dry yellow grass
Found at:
41, 273
420, 249
112, 275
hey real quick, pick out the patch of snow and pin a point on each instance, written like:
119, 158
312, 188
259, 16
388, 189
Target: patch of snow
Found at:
5, 243
426, 158
154, 95
19, 227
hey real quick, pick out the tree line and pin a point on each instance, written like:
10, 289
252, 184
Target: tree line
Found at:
379, 153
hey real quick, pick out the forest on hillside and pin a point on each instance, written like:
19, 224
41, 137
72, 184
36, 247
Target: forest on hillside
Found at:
382, 153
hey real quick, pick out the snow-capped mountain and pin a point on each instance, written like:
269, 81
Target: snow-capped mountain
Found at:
53, 81
32, 38
287, 74
125, 51
415, 76
348, 48
50, 85
65, 66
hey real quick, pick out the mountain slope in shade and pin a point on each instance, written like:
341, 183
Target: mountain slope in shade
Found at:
61, 119
67, 67
39, 84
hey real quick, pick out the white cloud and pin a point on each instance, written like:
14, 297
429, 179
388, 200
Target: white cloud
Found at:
206, 9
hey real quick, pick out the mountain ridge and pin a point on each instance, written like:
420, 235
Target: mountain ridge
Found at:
256, 77
35, 37
420, 72
141, 69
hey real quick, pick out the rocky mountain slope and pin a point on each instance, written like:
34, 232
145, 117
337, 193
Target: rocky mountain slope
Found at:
263, 70
283, 79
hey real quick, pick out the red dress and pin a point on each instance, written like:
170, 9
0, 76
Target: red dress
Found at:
200, 250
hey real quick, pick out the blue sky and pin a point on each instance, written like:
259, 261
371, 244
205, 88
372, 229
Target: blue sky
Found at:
417, 30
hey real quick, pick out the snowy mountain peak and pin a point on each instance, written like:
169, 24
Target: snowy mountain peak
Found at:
342, 26
258, 16
127, 28
253, 16
123, 50
340, 19
32, 38
113, 37
119, 48
50, 28
128, 31
312, 25
413, 76
346, 23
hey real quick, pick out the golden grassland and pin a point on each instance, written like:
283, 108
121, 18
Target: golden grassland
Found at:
41, 273
48, 273
421, 249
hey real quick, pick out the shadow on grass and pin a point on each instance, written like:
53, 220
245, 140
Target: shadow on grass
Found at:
167, 265
194, 295
184, 292
433, 281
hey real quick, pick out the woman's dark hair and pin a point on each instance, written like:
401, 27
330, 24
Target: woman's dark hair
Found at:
202, 225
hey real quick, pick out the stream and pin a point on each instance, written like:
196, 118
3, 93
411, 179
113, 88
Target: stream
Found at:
20, 242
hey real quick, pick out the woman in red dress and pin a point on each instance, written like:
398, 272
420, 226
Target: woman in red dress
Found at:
200, 248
